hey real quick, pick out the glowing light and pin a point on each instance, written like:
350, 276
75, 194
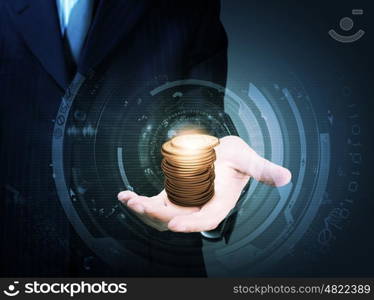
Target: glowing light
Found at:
192, 141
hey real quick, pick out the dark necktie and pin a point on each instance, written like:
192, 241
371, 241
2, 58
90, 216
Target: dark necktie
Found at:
69, 60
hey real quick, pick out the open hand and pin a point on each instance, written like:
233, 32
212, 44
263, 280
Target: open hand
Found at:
236, 162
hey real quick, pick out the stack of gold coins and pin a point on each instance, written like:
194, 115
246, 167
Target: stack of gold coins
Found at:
188, 166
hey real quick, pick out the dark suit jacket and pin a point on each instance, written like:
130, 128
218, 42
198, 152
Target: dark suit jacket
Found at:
179, 39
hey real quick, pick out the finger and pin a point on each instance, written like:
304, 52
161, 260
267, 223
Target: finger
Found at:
267, 172
125, 196
244, 159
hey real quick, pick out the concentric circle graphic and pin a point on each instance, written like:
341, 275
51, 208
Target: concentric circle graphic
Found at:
280, 124
107, 139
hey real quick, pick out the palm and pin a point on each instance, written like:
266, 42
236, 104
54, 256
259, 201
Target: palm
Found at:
232, 174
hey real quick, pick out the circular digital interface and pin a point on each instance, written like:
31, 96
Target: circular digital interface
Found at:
280, 123
107, 140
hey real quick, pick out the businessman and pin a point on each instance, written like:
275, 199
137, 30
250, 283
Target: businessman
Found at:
43, 44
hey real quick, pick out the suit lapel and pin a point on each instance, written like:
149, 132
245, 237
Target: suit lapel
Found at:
37, 20
112, 22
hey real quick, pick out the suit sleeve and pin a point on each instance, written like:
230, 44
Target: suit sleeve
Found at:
208, 61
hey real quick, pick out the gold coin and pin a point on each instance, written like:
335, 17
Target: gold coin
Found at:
194, 141
187, 193
169, 149
188, 159
188, 189
186, 197
192, 164
187, 171
188, 166
190, 180
191, 198
191, 202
